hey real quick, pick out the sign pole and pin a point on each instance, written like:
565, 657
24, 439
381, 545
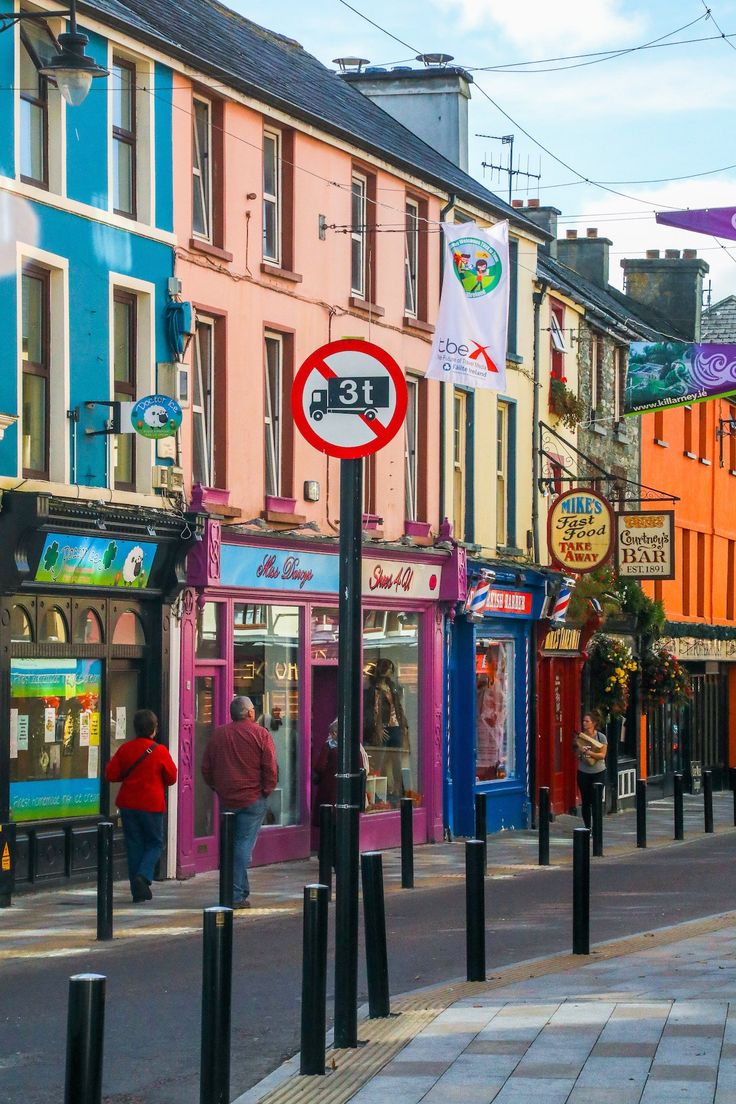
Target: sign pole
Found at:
349, 696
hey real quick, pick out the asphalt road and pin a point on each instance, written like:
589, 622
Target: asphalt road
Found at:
153, 998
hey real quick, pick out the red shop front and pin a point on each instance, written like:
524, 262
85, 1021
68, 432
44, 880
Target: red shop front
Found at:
561, 656
261, 619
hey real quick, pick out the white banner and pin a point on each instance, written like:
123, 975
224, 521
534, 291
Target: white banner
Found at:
469, 345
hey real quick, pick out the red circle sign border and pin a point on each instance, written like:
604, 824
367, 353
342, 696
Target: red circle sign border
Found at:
349, 345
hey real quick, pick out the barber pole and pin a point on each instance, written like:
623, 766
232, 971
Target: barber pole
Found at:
477, 598
562, 602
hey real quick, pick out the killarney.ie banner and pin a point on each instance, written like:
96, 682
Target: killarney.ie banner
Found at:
469, 345
671, 373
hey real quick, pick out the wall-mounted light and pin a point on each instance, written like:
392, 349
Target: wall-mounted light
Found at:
311, 490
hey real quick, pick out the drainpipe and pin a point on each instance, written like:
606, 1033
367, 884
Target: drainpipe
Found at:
538, 299
451, 201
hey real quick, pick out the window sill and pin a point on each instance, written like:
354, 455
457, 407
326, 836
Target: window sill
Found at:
690, 455
277, 517
662, 444
417, 324
508, 550
209, 249
702, 460
599, 429
514, 358
281, 273
364, 305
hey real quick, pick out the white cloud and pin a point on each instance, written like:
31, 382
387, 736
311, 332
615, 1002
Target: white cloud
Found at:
538, 25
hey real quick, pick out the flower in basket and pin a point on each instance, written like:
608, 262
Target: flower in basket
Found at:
611, 667
664, 678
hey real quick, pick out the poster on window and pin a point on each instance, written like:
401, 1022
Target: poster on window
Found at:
469, 347
55, 772
495, 755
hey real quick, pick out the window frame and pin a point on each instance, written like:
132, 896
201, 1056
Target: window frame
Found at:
127, 137
204, 176
275, 198
411, 455
273, 422
459, 458
412, 246
42, 370
206, 409
359, 237
125, 390
619, 383
41, 103
502, 472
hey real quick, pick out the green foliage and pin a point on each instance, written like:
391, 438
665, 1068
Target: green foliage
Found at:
600, 585
664, 679
565, 404
610, 665
650, 616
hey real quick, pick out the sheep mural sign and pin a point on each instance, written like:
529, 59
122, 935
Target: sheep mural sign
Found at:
662, 374
156, 416
95, 561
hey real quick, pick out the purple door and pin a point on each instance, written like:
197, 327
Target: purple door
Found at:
207, 698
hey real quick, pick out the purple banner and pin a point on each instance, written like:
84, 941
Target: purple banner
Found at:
720, 221
672, 373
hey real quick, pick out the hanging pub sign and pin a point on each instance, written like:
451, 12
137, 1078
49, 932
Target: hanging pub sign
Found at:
580, 530
645, 544
153, 416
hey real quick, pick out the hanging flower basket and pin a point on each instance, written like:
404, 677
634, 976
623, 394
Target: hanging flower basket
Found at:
664, 679
611, 668
565, 404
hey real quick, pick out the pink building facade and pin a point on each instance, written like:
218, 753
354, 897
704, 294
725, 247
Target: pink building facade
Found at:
278, 253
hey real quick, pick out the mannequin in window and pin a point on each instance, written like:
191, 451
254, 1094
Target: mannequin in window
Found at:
490, 720
384, 724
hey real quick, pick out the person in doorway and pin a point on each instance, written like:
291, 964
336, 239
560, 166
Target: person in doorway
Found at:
591, 763
385, 725
146, 770
324, 775
239, 764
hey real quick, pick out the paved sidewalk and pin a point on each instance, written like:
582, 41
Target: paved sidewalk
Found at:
625, 1026
61, 920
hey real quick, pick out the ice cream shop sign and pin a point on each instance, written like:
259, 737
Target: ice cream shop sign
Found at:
580, 530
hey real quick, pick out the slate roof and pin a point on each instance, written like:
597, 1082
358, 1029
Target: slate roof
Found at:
610, 307
718, 322
277, 71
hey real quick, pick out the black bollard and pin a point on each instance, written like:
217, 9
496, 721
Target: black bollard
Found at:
581, 891
374, 916
679, 817
85, 1031
481, 825
641, 813
227, 858
314, 980
708, 800
7, 864
217, 979
597, 819
543, 826
475, 911
326, 841
732, 780
407, 843
104, 880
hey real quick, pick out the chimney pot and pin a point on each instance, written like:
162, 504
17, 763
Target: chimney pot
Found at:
533, 203
689, 254
672, 254
517, 202
591, 232
652, 254
571, 234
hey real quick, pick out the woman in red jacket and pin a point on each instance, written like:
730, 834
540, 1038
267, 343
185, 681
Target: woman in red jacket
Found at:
145, 769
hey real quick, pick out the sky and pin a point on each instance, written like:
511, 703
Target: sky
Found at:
640, 118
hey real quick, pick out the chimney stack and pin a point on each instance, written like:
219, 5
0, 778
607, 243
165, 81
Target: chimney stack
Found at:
432, 101
588, 256
546, 219
673, 284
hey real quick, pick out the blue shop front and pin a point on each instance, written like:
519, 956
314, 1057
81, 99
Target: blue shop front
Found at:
491, 688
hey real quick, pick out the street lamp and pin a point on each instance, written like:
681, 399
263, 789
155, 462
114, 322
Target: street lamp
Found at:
72, 69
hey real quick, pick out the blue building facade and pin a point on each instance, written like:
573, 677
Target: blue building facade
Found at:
93, 555
492, 664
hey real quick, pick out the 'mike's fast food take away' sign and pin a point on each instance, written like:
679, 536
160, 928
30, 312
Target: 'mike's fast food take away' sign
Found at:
580, 530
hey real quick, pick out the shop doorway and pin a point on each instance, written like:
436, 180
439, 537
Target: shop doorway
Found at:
127, 695
324, 711
207, 717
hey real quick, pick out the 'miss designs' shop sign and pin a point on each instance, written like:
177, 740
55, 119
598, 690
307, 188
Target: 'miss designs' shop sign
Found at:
318, 573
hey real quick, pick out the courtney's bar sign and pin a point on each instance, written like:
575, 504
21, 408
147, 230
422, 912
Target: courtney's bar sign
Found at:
580, 530
645, 544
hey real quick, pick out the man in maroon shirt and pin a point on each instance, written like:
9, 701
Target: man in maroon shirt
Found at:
239, 764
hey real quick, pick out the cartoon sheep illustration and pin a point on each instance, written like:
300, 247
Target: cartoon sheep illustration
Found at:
133, 566
155, 416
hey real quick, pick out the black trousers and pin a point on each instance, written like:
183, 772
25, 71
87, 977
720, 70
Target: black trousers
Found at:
585, 785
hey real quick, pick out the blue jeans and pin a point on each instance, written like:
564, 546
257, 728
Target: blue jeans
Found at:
247, 823
144, 841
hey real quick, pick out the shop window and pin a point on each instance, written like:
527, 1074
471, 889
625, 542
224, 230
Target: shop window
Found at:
324, 633
495, 756
129, 629
36, 358
54, 738
125, 371
391, 708
208, 631
21, 628
88, 629
124, 136
52, 628
266, 670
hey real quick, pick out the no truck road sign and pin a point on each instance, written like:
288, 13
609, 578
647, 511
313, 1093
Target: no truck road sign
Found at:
349, 398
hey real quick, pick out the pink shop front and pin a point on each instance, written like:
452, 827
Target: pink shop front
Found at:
260, 618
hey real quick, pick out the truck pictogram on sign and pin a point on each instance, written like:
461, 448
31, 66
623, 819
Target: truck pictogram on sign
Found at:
350, 395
